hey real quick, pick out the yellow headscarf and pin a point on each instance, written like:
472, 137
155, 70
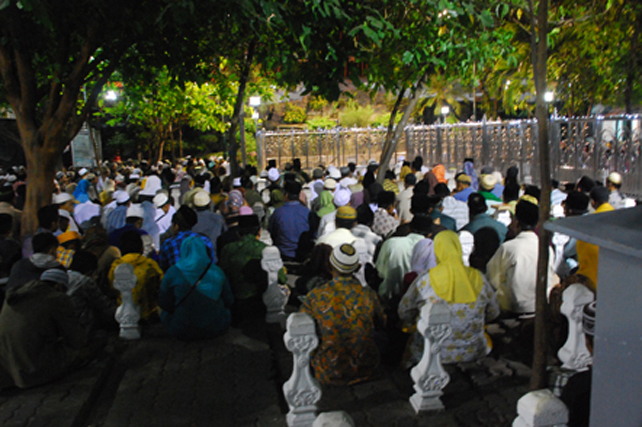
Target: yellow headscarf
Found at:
451, 279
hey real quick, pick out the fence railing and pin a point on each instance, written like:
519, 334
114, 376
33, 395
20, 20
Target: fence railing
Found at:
592, 146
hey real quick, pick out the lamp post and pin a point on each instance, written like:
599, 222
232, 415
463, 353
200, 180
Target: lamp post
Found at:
445, 110
255, 102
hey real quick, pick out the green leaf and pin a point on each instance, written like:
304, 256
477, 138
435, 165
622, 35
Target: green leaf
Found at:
407, 57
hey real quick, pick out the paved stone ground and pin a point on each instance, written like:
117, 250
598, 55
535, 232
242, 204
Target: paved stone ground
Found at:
235, 380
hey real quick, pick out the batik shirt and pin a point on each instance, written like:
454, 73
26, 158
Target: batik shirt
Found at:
384, 224
468, 341
345, 314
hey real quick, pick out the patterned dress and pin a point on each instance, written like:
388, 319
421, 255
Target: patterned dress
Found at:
468, 341
345, 313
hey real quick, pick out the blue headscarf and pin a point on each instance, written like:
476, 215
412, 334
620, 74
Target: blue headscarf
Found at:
80, 193
192, 263
469, 169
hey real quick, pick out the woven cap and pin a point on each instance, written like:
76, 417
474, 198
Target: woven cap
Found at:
488, 182
329, 184
55, 275
347, 212
345, 258
462, 177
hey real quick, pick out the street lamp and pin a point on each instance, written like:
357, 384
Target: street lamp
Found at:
111, 95
445, 110
255, 102
549, 97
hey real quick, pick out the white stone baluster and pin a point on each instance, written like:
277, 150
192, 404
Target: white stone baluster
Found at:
559, 241
540, 408
429, 375
128, 313
302, 391
467, 241
275, 296
334, 419
574, 354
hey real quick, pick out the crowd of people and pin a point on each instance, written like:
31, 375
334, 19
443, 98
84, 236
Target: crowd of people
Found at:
368, 256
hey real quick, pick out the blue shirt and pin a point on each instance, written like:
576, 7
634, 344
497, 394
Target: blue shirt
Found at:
171, 250
485, 220
462, 196
116, 218
286, 225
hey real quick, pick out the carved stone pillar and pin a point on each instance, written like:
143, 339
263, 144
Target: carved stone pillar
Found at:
128, 313
467, 241
574, 354
276, 296
302, 391
429, 375
540, 408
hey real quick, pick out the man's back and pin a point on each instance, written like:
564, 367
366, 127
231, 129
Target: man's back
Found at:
287, 223
484, 220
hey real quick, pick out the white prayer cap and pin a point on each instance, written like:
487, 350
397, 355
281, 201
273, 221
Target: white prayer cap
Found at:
82, 171
60, 198
342, 197
615, 178
160, 199
334, 173
329, 184
122, 197
136, 210
274, 175
65, 214
152, 185
201, 199
236, 182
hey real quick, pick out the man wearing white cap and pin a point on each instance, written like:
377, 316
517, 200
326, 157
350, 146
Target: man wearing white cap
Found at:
209, 223
333, 362
151, 186
134, 221
116, 218
66, 204
327, 224
164, 212
613, 183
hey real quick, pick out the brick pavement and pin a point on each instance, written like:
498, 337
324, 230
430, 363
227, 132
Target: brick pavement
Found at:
235, 380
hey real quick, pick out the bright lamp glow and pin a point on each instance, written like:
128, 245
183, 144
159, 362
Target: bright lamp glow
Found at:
549, 96
111, 95
255, 115
445, 110
255, 101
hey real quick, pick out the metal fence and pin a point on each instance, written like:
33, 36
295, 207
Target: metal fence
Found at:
592, 146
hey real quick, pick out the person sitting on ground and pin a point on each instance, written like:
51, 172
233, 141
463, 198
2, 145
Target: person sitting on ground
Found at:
505, 212
7, 197
403, 198
479, 218
118, 216
48, 222
40, 336
513, 269
195, 295
10, 251
317, 270
486, 243
347, 353
341, 198
95, 241
436, 208
45, 246
614, 183
463, 187
164, 213
210, 224
486, 187
147, 271
241, 262
468, 295
385, 218
182, 222
134, 221
93, 308
69, 244
576, 394
587, 253
289, 222
389, 182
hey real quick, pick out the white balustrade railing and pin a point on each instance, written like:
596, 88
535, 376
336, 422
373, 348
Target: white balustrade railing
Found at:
302, 391
429, 375
128, 313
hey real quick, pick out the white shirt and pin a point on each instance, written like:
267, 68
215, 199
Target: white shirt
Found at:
327, 223
457, 210
164, 220
513, 272
404, 199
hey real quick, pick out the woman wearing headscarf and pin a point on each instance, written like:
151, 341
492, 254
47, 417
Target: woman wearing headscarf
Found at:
423, 259
469, 296
195, 295
439, 171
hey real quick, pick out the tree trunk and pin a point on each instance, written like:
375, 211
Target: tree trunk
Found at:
238, 107
394, 134
242, 137
41, 169
631, 72
540, 57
